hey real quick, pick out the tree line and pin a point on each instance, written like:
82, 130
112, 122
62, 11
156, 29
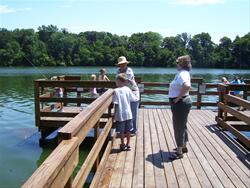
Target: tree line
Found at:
50, 46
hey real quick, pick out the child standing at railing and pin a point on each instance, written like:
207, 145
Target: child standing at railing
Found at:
102, 77
58, 93
93, 91
123, 115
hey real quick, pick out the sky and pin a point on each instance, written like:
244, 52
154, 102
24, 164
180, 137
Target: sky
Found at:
219, 18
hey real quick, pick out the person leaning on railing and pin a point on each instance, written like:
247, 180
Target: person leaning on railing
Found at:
181, 103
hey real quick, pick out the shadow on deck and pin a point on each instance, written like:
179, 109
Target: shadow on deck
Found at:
213, 158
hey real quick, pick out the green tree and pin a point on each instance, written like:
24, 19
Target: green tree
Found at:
50, 46
223, 53
201, 49
11, 54
241, 51
45, 32
176, 45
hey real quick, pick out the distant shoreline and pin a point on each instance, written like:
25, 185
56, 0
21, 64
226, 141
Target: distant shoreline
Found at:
133, 66
50, 46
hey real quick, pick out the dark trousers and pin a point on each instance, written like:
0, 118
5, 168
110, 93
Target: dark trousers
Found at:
180, 111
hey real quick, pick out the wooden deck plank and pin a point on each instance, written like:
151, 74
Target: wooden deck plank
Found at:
178, 164
210, 153
118, 170
192, 178
109, 167
190, 171
149, 168
129, 165
207, 168
199, 171
210, 162
203, 161
201, 175
164, 133
236, 153
239, 176
160, 179
138, 176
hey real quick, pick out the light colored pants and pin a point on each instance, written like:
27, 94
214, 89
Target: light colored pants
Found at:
134, 108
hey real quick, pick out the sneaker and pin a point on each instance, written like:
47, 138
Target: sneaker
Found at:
176, 156
127, 148
184, 150
122, 147
132, 134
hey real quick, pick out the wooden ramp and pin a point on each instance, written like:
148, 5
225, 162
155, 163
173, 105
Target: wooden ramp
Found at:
213, 160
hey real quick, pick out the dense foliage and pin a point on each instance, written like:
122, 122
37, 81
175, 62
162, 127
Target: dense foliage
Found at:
50, 46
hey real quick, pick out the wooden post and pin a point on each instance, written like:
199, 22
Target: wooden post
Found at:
223, 89
138, 81
110, 109
42, 92
78, 96
37, 103
96, 135
244, 92
199, 96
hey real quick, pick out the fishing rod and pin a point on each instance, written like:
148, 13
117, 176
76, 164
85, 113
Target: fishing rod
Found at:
35, 67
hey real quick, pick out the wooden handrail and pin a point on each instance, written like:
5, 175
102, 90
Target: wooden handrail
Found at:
88, 117
98, 173
52, 172
92, 156
57, 169
155, 84
76, 83
239, 87
235, 113
225, 99
237, 100
234, 131
66, 99
163, 88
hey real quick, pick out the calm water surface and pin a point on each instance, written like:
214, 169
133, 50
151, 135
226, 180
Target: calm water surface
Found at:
20, 153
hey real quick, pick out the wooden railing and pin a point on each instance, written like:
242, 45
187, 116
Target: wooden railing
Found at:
57, 169
198, 90
229, 111
48, 119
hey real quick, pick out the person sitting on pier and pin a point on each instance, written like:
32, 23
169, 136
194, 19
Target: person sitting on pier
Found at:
123, 114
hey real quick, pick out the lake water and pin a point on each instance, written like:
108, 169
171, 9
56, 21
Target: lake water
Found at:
20, 153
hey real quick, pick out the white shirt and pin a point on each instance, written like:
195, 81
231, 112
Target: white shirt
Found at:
122, 98
181, 77
132, 84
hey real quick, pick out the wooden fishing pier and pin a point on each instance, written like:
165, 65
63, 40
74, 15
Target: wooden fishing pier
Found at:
214, 158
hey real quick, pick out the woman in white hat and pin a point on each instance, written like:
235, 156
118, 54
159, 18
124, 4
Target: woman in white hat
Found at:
123, 68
